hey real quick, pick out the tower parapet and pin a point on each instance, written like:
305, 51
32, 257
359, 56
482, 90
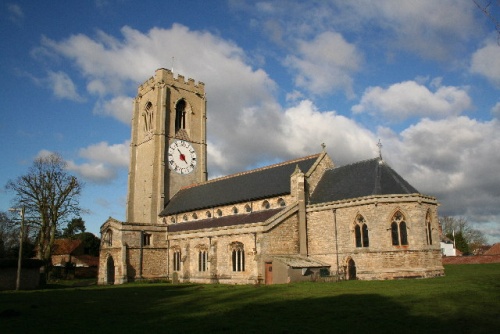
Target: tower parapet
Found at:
163, 75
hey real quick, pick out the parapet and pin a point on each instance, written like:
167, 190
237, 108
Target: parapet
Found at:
163, 75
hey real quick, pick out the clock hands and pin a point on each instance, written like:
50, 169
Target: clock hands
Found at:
181, 151
182, 156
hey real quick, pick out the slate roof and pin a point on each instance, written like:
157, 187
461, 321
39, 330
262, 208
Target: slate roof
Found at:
248, 218
260, 183
364, 178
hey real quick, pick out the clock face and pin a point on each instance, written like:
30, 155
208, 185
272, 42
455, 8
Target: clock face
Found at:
181, 157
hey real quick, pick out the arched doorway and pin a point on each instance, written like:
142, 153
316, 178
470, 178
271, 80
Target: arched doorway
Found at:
110, 270
351, 269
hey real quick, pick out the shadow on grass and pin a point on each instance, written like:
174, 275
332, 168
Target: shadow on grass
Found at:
191, 308
345, 313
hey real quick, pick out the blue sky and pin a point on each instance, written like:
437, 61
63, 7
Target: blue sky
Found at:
282, 77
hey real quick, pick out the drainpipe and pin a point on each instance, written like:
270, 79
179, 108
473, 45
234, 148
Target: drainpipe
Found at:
140, 254
168, 258
336, 240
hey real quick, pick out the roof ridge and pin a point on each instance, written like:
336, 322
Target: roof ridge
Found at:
252, 171
361, 161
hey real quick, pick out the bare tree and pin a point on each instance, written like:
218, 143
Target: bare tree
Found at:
50, 197
492, 12
473, 237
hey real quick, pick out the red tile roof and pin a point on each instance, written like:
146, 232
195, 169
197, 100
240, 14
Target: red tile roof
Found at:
494, 250
65, 246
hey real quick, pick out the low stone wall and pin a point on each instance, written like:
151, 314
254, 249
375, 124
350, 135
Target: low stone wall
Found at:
30, 274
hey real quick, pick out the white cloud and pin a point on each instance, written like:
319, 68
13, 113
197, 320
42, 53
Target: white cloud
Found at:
43, 154
114, 155
16, 13
63, 87
303, 129
325, 64
453, 159
411, 99
495, 111
486, 61
103, 161
114, 67
119, 107
94, 172
428, 28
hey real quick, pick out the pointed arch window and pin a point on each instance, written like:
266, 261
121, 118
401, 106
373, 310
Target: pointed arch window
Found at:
177, 260
281, 202
180, 115
428, 228
148, 117
234, 210
266, 205
399, 233
202, 260
238, 256
248, 208
361, 232
108, 238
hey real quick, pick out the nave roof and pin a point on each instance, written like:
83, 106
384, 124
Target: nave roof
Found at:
266, 182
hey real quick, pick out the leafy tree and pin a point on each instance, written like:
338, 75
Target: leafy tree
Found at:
460, 242
50, 197
76, 230
75, 226
91, 243
464, 230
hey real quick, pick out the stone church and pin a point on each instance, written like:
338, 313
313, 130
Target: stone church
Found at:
304, 219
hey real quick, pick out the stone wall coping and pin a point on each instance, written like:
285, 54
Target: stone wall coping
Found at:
375, 199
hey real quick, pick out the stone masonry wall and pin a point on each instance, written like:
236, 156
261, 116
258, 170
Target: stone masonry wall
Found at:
381, 259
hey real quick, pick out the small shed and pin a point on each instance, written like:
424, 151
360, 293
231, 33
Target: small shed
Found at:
293, 268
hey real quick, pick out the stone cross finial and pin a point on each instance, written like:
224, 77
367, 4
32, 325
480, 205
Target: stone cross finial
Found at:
379, 149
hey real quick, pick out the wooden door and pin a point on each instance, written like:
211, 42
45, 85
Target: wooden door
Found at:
269, 273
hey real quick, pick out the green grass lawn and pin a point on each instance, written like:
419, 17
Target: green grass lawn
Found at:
466, 300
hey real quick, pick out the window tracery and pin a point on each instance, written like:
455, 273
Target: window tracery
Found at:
238, 256
361, 232
399, 233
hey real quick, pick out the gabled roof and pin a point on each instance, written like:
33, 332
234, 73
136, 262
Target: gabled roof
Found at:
364, 178
247, 218
260, 183
65, 246
494, 250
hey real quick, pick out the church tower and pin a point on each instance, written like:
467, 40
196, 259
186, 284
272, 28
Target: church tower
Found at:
168, 144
